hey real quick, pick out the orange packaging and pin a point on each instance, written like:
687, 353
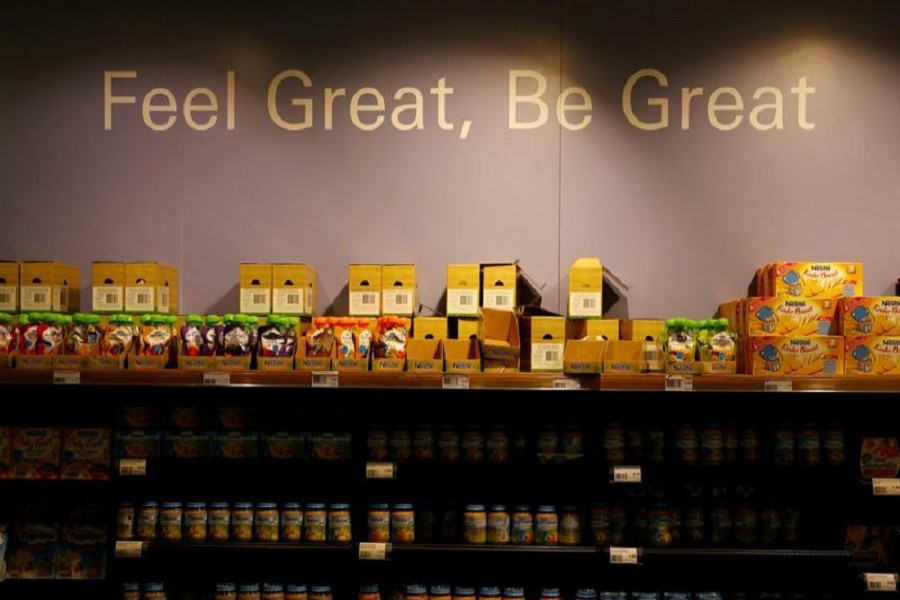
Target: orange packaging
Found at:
787, 316
795, 356
872, 355
320, 338
878, 315
814, 279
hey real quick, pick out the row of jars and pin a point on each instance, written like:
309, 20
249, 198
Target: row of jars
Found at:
442, 592
231, 591
240, 522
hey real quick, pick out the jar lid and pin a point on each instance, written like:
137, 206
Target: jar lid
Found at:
153, 587
513, 592
296, 588
462, 590
368, 588
315, 506
266, 505
498, 508
150, 503
320, 589
171, 504
249, 587
340, 506
415, 588
225, 587
403, 506
547, 508
272, 587
586, 593
568, 509
130, 586
218, 505
489, 591
196, 504
522, 508
291, 505
378, 506
474, 507
550, 592
243, 505
439, 589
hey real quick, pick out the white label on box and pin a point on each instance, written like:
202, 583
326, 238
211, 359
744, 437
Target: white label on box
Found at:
503, 299
679, 383
8, 298
380, 470
547, 356
565, 383
61, 298
365, 304
256, 300
216, 378
289, 301
109, 298
585, 304
140, 298
889, 486
374, 551
67, 377
36, 297
133, 467
462, 301
455, 381
328, 379
778, 385
163, 299
881, 582
398, 301
129, 549
623, 474
623, 556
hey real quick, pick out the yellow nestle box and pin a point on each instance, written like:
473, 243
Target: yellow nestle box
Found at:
584, 356
462, 290
294, 289
639, 330
586, 288
149, 287
49, 286
595, 329
878, 315
9, 286
544, 344
425, 355
498, 289
108, 286
814, 279
462, 356
398, 290
786, 316
364, 284
795, 356
171, 274
872, 355
466, 329
622, 357
255, 288
430, 328
498, 332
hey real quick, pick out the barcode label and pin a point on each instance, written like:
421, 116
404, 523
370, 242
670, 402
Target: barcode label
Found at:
8, 297
466, 300
326, 379
551, 356
881, 582
143, 298
374, 551
365, 304
546, 356
623, 556
397, 303
584, 304
886, 486
455, 381
36, 297
289, 301
566, 384
679, 383
503, 299
368, 299
216, 378
626, 475
255, 300
108, 298
380, 470
139, 298
462, 302
128, 549
293, 299
589, 303
778, 385
39, 298
67, 377
133, 467
259, 298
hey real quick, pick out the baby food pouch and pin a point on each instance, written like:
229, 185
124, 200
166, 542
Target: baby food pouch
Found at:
276, 338
191, 335
237, 337
364, 338
320, 338
9, 334
210, 334
391, 336
83, 335
345, 334
118, 337
155, 336
50, 334
28, 335
680, 341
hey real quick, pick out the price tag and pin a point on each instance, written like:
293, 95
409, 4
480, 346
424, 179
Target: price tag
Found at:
881, 582
133, 467
215, 378
564, 383
374, 551
325, 379
380, 470
626, 474
455, 381
778, 385
886, 486
623, 556
129, 549
67, 377
679, 383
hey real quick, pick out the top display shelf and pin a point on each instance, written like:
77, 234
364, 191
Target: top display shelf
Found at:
533, 381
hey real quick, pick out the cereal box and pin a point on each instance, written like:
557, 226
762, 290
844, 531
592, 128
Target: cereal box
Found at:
34, 453
795, 356
879, 457
788, 316
138, 444
878, 315
82, 552
186, 444
815, 279
331, 446
284, 444
33, 554
86, 454
236, 444
872, 355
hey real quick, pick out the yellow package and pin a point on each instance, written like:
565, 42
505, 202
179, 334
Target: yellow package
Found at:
789, 316
872, 355
870, 316
816, 280
796, 356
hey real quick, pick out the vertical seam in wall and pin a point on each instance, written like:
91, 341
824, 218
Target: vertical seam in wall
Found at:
559, 231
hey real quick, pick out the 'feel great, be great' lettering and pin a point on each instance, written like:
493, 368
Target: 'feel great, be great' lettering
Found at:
295, 104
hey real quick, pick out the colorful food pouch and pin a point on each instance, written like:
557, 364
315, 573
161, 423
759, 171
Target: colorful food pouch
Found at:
192, 341
84, 335
211, 332
237, 337
345, 334
50, 334
320, 338
9, 334
276, 337
155, 336
118, 337
363, 338
391, 337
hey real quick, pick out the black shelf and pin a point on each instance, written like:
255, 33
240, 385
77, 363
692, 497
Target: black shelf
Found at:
755, 554
489, 548
185, 549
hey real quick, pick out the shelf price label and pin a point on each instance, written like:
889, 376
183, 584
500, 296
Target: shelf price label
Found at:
216, 378
623, 556
626, 474
325, 379
778, 385
880, 582
455, 381
679, 383
381, 470
889, 486
374, 551
128, 549
564, 383
67, 377
133, 467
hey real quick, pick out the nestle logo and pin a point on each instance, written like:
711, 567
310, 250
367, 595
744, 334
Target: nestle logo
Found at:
820, 268
795, 303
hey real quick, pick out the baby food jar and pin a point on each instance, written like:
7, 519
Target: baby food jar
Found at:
809, 450
378, 523
569, 526
522, 530
783, 446
403, 524
600, 522
550, 593
720, 524
315, 523
339, 529
439, 592
368, 591
195, 522
415, 591
148, 520
170, 520
153, 591
296, 591
401, 444
489, 593
423, 443
513, 593
448, 444
265, 522
320, 592
586, 594
132, 591
745, 523
462, 592
659, 525
377, 442
546, 527
125, 521
473, 444
614, 443
291, 523
475, 524
687, 445
218, 521
272, 591
833, 445
498, 525
572, 441
498, 444
226, 591
248, 591
712, 445
547, 440
242, 522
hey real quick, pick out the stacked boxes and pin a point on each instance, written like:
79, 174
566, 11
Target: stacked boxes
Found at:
151, 287
871, 327
294, 289
108, 287
255, 288
398, 290
9, 286
49, 286
364, 284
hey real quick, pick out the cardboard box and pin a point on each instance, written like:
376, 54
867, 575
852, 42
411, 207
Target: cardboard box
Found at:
872, 355
172, 277
498, 332
466, 329
430, 328
255, 288
82, 552
584, 357
196, 363
544, 343
9, 286
304, 362
49, 286
783, 316
425, 355
463, 283
462, 356
69, 363
149, 287
594, 329
31, 362
108, 287
622, 357
34, 453
294, 289
398, 285
877, 315
814, 279
639, 330
498, 289
275, 363
586, 289
364, 284
86, 454
795, 356
226, 363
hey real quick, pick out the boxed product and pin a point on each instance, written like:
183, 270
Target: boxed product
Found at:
586, 289
642, 330
813, 279
317, 347
462, 290
34, 555
390, 343
186, 444
49, 286
195, 351
622, 357
877, 315
108, 287
233, 417
498, 333
9, 286
236, 444
331, 446
398, 285
86, 453
149, 287
138, 444
466, 329
364, 286
284, 445
294, 289
498, 286
781, 316
594, 329
235, 343
187, 417
795, 356
277, 343
255, 287
156, 342
430, 328
872, 355
34, 453
462, 356
82, 552
879, 457
544, 343
353, 341
584, 357
425, 356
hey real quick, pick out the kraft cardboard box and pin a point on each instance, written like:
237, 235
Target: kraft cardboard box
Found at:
814, 279
49, 286
872, 355
466, 329
9, 286
586, 289
584, 357
642, 329
544, 343
398, 290
425, 355
784, 316
594, 329
498, 287
463, 283
294, 289
498, 333
172, 277
304, 362
622, 357
108, 287
255, 288
462, 356
876, 315
364, 284
430, 328
795, 356
149, 287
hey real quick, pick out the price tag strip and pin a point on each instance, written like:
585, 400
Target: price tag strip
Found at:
381, 470
564, 383
455, 381
679, 383
67, 377
623, 556
778, 385
880, 582
216, 378
886, 486
626, 475
133, 467
129, 549
325, 379
374, 551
